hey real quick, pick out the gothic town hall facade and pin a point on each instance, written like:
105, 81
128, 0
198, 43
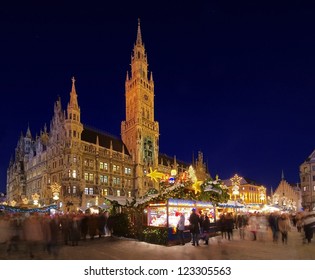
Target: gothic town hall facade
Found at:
89, 165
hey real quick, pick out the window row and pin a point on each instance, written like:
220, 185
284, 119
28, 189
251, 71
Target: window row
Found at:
105, 166
90, 191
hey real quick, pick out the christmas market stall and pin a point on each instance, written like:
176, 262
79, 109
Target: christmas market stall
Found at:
177, 194
166, 214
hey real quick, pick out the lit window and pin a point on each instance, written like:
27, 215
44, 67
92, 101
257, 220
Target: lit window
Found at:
85, 162
101, 165
103, 179
114, 167
129, 194
304, 189
74, 173
90, 190
86, 191
69, 190
74, 189
86, 176
69, 173
118, 192
91, 177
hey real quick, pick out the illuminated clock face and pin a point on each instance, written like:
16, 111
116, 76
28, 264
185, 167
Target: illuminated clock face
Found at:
146, 97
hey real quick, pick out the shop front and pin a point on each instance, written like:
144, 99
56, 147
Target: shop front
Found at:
165, 214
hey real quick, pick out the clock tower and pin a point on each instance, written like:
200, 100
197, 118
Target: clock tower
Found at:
140, 133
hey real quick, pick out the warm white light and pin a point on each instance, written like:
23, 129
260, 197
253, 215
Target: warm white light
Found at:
35, 198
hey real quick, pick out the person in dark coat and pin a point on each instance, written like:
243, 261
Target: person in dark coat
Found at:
55, 235
206, 228
92, 223
75, 231
222, 225
229, 222
194, 227
101, 222
273, 223
84, 226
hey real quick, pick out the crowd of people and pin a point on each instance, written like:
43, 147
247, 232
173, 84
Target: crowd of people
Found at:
35, 231
45, 232
253, 226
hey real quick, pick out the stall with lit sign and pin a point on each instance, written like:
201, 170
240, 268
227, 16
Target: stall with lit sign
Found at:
167, 213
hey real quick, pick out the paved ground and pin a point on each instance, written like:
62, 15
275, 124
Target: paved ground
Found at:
112, 248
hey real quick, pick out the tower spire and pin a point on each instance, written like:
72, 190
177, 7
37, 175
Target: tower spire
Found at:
28, 131
282, 175
73, 95
139, 37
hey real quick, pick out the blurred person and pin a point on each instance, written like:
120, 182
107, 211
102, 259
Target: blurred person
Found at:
5, 232
101, 222
308, 225
273, 223
206, 228
33, 233
222, 225
241, 224
284, 227
299, 222
262, 226
229, 223
253, 225
181, 228
194, 227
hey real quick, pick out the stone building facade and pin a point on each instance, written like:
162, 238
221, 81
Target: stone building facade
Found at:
307, 179
88, 164
246, 191
287, 196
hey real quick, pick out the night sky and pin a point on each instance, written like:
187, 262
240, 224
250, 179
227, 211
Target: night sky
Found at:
233, 80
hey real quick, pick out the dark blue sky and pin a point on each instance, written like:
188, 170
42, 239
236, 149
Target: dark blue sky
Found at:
234, 80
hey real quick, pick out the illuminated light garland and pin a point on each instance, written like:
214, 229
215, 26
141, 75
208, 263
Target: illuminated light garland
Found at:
12, 209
